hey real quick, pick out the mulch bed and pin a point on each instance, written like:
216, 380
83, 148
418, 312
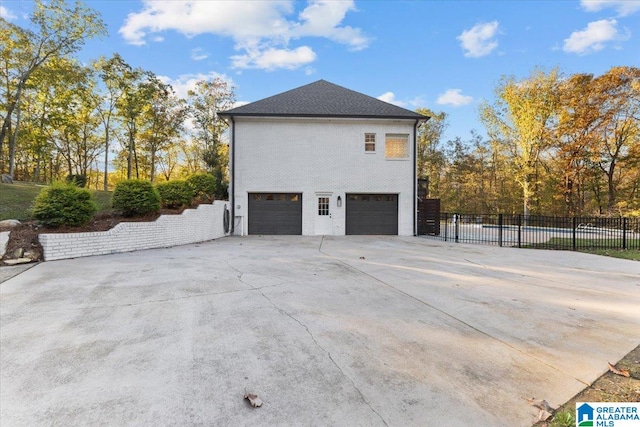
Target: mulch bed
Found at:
25, 236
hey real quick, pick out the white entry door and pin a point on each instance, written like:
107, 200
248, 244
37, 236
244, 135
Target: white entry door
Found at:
323, 214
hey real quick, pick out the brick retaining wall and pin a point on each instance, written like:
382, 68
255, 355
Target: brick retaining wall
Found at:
193, 225
4, 239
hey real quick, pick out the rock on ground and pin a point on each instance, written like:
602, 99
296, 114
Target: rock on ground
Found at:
9, 223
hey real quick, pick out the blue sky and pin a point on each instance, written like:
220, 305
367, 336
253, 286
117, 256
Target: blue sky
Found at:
444, 55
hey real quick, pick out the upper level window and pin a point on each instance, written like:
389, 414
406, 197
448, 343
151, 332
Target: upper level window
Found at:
369, 142
396, 146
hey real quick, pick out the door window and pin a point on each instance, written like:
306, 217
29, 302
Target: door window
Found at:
323, 206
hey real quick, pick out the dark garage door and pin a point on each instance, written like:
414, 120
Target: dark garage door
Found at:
372, 214
275, 213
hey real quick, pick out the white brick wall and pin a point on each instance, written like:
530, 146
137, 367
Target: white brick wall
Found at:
193, 225
4, 239
312, 156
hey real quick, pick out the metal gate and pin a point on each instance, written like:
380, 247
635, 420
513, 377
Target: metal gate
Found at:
429, 217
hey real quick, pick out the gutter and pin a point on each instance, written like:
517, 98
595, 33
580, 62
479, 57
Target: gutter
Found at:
325, 116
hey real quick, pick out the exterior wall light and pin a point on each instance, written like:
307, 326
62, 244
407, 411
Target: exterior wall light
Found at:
339, 201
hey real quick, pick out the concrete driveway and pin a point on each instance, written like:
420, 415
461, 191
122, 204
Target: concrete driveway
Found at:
327, 331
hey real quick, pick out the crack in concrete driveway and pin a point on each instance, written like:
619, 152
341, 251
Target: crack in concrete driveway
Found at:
480, 331
306, 328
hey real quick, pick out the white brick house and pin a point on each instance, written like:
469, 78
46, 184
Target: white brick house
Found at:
323, 160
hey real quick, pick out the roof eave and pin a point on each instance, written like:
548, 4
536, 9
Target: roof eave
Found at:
335, 116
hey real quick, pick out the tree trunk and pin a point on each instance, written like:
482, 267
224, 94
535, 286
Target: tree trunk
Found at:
153, 165
595, 188
36, 172
6, 124
526, 199
4, 162
130, 156
611, 188
569, 196
14, 141
106, 157
69, 165
85, 162
135, 156
1, 156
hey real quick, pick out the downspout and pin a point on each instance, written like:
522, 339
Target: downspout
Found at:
415, 177
232, 193
419, 122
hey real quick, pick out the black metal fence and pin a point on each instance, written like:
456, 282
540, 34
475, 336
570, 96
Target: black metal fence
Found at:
544, 232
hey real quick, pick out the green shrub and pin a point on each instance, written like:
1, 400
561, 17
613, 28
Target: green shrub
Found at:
563, 419
135, 197
175, 194
203, 185
78, 180
64, 204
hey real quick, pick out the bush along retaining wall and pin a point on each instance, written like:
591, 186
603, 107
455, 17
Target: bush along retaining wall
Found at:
192, 226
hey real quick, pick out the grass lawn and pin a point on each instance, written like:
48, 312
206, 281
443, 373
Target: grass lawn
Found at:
606, 246
16, 200
633, 254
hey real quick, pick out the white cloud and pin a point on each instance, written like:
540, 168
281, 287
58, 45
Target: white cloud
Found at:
417, 102
185, 82
390, 97
271, 58
623, 7
239, 103
198, 54
322, 18
479, 40
238, 19
454, 97
7, 14
593, 38
262, 30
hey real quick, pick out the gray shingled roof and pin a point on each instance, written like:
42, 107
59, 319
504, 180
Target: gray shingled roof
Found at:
323, 99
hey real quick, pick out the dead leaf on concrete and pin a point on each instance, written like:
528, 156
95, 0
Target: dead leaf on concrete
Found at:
543, 415
543, 405
255, 401
622, 372
545, 409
